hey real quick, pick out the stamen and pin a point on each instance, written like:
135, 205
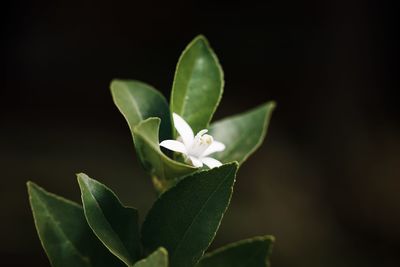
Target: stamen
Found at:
201, 142
208, 139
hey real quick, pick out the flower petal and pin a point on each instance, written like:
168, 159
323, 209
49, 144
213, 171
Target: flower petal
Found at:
183, 129
214, 147
174, 146
210, 162
196, 162
201, 133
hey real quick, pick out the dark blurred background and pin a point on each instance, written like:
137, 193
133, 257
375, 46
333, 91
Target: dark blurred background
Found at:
326, 182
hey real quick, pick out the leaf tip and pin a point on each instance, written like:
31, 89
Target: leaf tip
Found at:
201, 42
83, 180
235, 164
200, 38
271, 105
29, 184
270, 238
113, 83
116, 81
32, 187
163, 251
143, 123
81, 174
268, 106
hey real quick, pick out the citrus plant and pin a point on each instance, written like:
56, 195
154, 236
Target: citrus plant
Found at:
194, 182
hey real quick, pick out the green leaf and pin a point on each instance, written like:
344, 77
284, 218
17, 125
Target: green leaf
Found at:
114, 224
185, 218
242, 134
159, 258
138, 101
164, 170
252, 252
198, 84
64, 233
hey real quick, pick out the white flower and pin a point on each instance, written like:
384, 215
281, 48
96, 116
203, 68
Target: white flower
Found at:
194, 148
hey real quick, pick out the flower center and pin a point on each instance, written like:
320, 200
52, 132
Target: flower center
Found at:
200, 143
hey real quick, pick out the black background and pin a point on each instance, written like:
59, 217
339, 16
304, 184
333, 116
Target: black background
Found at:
325, 183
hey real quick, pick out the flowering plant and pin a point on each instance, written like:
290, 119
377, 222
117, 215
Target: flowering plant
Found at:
194, 188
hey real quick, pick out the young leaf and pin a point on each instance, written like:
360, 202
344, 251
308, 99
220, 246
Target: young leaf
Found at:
185, 218
114, 224
198, 84
64, 233
242, 134
163, 169
138, 101
252, 252
159, 258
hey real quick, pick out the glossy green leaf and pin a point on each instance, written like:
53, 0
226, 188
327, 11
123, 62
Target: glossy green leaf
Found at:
242, 134
185, 218
138, 101
64, 233
114, 224
159, 258
163, 169
252, 252
198, 84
